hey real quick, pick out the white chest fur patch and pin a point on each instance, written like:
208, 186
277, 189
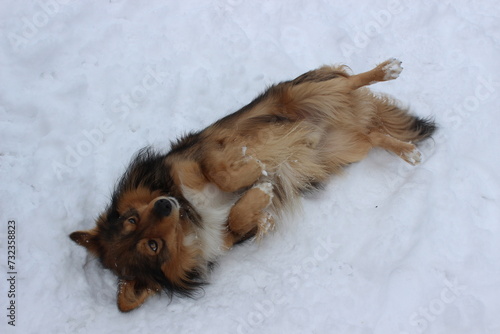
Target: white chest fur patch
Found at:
213, 205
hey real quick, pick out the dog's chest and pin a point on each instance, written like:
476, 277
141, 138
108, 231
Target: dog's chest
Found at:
213, 205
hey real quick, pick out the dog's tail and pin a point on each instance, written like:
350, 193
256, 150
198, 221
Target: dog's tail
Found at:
399, 123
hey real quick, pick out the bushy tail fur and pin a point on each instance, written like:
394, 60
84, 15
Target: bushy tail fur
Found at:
399, 123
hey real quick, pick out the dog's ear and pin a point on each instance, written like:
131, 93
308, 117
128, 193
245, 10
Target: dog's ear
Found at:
129, 297
88, 239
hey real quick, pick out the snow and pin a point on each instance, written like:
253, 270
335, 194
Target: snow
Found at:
266, 188
385, 248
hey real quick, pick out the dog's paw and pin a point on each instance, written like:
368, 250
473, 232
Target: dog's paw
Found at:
249, 155
413, 157
266, 188
391, 68
266, 225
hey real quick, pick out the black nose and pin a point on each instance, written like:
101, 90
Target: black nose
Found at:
163, 207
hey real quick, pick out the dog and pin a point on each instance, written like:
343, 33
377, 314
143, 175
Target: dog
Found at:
173, 214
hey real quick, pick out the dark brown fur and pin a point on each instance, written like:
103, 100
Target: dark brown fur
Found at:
172, 214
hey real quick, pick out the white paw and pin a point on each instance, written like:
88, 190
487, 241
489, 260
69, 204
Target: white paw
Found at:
414, 157
392, 69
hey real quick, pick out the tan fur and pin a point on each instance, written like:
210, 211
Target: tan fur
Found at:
233, 179
129, 298
248, 212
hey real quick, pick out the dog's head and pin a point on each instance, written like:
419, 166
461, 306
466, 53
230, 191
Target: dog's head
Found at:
145, 237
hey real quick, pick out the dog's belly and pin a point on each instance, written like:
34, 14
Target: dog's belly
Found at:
343, 147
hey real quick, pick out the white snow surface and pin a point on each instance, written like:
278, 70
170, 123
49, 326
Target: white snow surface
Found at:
385, 248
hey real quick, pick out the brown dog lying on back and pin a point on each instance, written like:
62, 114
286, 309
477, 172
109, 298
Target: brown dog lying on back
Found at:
173, 214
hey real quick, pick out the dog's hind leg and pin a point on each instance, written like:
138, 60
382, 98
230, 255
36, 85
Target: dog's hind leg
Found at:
388, 70
407, 151
321, 74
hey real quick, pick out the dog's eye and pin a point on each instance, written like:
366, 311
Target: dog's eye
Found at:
153, 245
132, 221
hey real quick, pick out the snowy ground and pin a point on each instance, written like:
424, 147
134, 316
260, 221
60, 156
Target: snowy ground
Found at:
386, 248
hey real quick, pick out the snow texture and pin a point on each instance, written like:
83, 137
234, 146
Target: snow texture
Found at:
266, 188
385, 248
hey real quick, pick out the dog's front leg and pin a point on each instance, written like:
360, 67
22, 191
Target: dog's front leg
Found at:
248, 217
232, 169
